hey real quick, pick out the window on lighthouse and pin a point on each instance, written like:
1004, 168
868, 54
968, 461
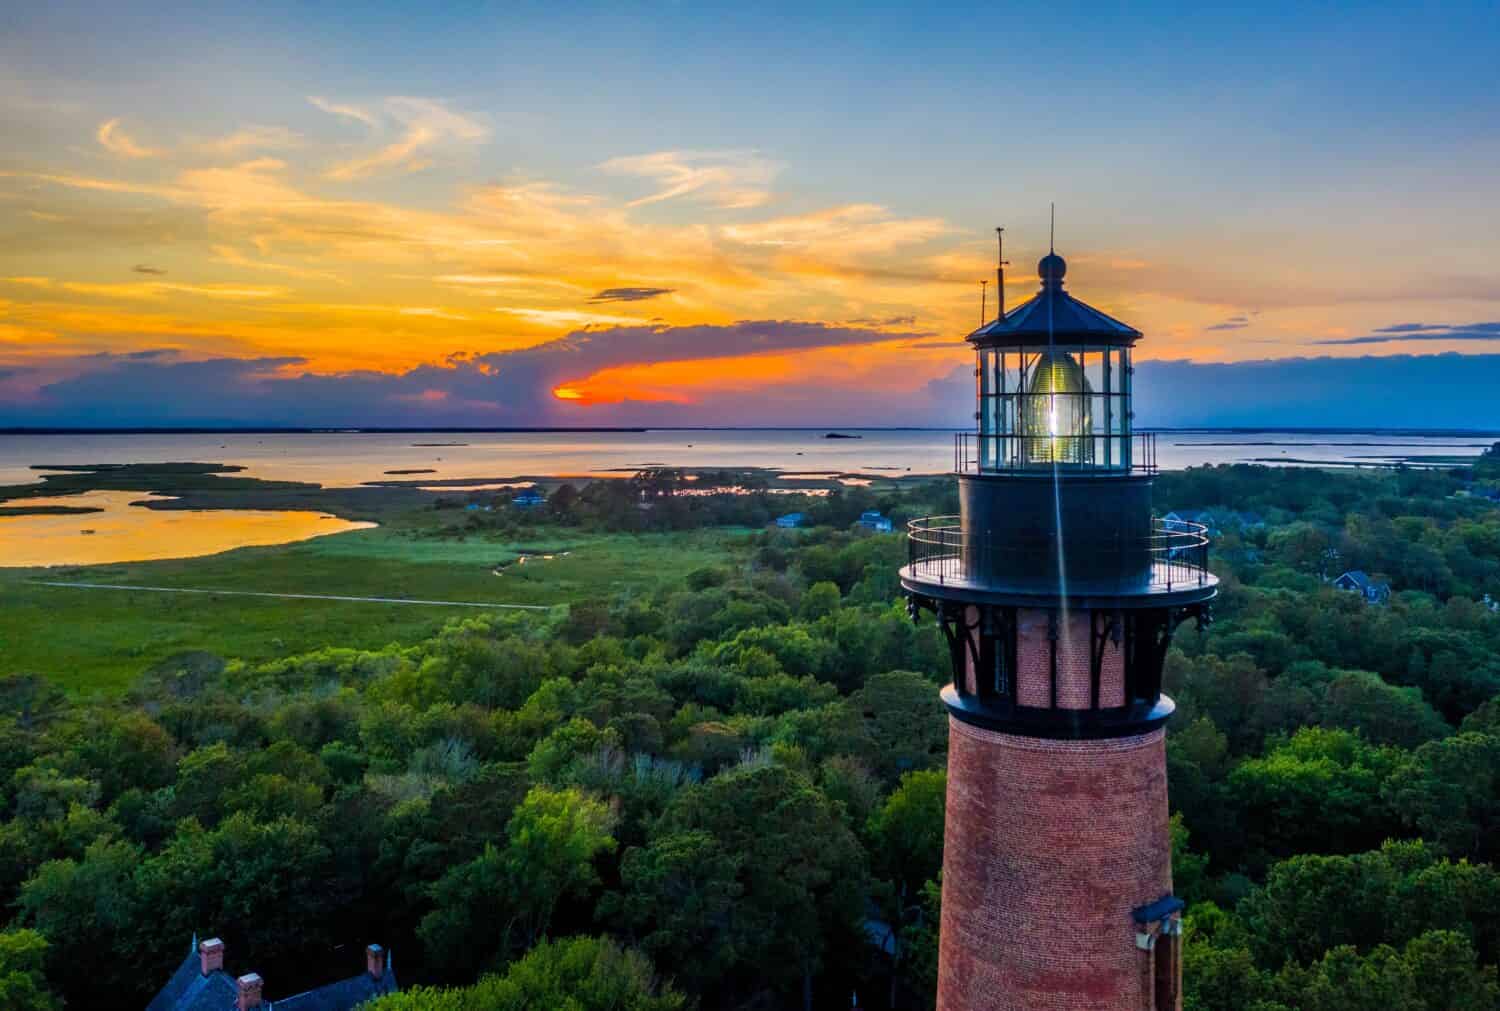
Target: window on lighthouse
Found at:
1058, 414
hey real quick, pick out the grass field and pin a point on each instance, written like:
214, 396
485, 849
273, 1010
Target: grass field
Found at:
100, 641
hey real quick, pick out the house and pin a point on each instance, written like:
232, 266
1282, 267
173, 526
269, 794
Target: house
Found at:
1183, 521
871, 519
202, 984
529, 499
1358, 581
789, 521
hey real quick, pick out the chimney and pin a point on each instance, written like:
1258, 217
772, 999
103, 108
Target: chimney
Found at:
375, 961
249, 989
211, 955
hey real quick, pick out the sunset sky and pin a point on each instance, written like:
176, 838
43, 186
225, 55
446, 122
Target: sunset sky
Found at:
723, 214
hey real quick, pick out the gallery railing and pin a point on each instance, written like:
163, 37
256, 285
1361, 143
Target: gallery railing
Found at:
975, 453
1173, 556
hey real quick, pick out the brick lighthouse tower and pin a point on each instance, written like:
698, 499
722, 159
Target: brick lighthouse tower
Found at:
1058, 594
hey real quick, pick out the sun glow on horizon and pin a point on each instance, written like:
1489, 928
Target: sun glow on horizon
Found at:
438, 238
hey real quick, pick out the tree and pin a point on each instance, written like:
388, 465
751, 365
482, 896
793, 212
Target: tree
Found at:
679, 897
801, 872
907, 831
820, 599
1189, 869
90, 910
205, 778
572, 974
905, 721
1434, 972
1311, 904
504, 899
272, 884
1320, 787
1382, 713
23, 985
1450, 791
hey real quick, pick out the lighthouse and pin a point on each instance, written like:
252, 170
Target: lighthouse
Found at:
1058, 593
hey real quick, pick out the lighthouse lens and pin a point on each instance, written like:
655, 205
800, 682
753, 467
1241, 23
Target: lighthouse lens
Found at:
1058, 424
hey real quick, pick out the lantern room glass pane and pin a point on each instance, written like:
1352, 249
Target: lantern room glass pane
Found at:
1045, 407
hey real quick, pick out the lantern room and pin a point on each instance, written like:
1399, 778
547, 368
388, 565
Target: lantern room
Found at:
1053, 384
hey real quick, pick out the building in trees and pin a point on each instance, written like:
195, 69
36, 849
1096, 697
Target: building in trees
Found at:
1058, 594
202, 984
1374, 591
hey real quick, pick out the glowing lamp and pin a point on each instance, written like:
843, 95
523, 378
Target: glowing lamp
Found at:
1058, 409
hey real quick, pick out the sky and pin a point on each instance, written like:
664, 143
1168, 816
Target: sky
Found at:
483, 214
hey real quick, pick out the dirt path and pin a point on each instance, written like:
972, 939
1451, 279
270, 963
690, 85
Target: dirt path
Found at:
290, 596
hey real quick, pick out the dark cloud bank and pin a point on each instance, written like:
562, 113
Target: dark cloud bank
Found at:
161, 388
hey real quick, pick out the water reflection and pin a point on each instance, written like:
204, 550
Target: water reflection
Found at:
123, 532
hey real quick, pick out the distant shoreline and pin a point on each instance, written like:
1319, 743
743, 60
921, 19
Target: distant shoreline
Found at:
637, 430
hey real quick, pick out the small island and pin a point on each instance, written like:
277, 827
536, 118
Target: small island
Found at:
47, 510
842, 435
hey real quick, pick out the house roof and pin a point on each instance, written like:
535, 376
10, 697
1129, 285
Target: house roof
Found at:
1054, 315
343, 995
1158, 910
190, 990
1356, 576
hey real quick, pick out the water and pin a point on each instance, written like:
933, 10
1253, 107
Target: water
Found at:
351, 458
125, 532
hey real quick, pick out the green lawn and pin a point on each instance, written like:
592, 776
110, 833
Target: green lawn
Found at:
101, 640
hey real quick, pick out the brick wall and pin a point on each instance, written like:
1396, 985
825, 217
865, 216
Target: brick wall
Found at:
1074, 688
1049, 846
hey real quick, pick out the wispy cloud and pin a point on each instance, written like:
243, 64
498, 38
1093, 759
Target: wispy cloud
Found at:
117, 141
730, 179
426, 124
846, 230
232, 256
1424, 332
1232, 323
433, 313
630, 294
482, 279
345, 110
141, 268
892, 321
569, 317
154, 290
250, 138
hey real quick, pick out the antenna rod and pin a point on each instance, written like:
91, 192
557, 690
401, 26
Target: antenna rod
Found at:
1000, 266
984, 287
1052, 230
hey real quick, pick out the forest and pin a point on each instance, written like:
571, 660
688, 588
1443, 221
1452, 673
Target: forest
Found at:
725, 790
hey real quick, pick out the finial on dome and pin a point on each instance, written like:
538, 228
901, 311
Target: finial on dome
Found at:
1051, 269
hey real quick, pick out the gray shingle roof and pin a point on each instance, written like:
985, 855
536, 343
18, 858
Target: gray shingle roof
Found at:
190, 990
341, 996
